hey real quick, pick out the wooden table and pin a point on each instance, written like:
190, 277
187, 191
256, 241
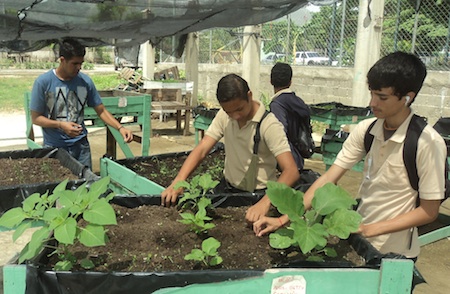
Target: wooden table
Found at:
178, 106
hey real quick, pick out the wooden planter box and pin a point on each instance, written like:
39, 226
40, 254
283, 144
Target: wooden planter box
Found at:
379, 275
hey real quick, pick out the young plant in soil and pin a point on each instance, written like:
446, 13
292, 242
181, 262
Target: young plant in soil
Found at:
208, 254
59, 215
198, 203
331, 214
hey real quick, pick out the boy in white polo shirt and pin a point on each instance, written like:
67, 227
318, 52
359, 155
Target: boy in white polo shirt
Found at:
236, 122
388, 201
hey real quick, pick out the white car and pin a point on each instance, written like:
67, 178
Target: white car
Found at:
310, 58
272, 57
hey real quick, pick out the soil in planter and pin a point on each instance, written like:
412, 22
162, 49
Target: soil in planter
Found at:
150, 238
163, 170
32, 170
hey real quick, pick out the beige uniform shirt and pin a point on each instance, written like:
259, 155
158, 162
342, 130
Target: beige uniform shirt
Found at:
385, 191
239, 145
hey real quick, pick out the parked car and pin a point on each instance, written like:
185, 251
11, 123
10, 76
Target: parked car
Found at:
310, 58
273, 57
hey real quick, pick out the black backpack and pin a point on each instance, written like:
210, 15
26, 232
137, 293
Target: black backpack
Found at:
415, 128
303, 141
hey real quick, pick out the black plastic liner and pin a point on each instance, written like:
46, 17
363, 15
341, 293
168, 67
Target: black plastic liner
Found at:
339, 109
12, 196
42, 281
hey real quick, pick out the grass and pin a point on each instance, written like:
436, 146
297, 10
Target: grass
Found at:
13, 89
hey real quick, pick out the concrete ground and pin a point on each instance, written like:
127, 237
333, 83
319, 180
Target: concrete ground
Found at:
433, 262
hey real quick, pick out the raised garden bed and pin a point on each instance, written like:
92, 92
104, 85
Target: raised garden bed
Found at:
40, 171
336, 114
394, 275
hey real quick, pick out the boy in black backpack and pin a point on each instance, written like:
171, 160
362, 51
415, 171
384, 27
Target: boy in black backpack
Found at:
388, 201
290, 110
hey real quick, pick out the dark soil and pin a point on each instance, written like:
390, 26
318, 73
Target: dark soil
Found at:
32, 170
163, 169
149, 238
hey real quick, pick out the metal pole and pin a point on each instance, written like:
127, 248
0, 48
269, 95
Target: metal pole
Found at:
416, 22
397, 24
341, 41
330, 52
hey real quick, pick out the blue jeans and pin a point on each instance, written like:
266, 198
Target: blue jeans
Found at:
81, 151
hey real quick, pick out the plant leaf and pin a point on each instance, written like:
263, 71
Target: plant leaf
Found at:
92, 235
210, 246
99, 187
12, 217
287, 200
330, 197
330, 252
196, 254
309, 238
35, 245
22, 228
63, 265
342, 223
86, 263
29, 203
61, 186
100, 213
65, 233
282, 238
215, 260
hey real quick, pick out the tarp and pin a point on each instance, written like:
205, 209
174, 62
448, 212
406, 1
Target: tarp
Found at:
28, 25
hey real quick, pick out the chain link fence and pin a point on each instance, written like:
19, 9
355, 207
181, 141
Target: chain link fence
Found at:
329, 32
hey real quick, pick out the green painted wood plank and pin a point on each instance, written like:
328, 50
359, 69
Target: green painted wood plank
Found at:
434, 236
396, 276
14, 277
128, 179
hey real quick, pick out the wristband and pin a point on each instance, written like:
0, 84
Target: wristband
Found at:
120, 128
281, 223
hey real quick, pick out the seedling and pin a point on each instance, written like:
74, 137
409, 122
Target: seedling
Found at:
331, 214
58, 214
195, 198
198, 221
196, 189
208, 254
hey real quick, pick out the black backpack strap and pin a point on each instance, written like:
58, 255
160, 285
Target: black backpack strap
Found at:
368, 138
415, 128
257, 136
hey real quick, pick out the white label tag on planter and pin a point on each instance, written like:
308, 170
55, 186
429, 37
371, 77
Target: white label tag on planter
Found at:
122, 102
289, 285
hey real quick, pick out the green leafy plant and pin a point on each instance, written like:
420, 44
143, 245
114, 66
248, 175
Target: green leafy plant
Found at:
195, 199
331, 214
196, 189
208, 254
59, 214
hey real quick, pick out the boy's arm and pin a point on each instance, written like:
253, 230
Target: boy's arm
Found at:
425, 213
110, 120
289, 176
169, 196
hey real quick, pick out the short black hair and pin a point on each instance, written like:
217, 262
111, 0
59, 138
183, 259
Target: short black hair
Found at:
232, 87
281, 75
69, 48
404, 72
